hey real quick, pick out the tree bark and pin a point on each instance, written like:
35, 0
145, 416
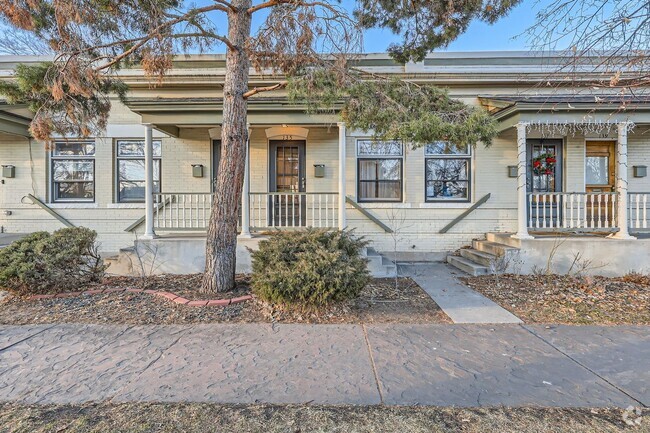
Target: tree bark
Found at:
221, 242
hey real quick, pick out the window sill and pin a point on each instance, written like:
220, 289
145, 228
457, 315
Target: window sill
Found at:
60, 205
384, 205
443, 205
125, 206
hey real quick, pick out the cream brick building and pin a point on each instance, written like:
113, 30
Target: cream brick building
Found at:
412, 203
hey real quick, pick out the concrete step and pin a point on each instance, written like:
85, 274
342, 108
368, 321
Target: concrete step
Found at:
478, 257
379, 266
503, 238
467, 266
493, 248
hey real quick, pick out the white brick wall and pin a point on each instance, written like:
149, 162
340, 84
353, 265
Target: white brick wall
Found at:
417, 222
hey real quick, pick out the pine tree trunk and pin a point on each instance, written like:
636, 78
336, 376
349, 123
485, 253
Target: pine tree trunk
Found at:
221, 245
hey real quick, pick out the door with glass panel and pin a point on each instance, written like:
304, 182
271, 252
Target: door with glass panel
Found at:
287, 207
545, 170
600, 180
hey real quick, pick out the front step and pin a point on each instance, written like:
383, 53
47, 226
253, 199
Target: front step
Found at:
483, 258
479, 257
494, 248
379, 266
467, 266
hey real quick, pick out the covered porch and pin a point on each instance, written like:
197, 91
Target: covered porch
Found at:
295, 168
582, 164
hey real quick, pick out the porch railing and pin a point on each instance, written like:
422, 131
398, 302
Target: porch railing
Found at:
572, 211
300, 209
191, 211
638, 203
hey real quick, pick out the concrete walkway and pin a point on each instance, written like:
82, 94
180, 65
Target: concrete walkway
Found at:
465, 365
459, 302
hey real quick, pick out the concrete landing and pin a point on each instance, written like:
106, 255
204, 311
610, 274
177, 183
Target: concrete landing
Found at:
459, 302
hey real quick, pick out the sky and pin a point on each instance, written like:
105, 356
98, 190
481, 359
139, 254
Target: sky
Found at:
479, 37
503, 35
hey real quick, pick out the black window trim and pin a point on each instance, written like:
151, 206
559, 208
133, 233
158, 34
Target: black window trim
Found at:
54, 158
469, 157
117, 159
367, 157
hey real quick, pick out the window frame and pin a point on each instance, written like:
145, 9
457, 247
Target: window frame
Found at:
375, 157
468, 157
118, 158
77, 158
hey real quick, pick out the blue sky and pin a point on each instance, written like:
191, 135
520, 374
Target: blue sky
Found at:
506, 34
480, 36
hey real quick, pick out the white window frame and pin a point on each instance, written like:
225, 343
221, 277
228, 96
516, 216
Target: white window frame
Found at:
430, 155
55, 157
378, 156
157, 159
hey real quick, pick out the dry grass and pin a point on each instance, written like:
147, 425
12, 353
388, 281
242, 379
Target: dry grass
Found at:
570, 299
203, 418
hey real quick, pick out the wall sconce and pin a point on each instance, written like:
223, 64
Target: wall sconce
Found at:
640, 171
512, 171
197, 170
8, 171
319, 170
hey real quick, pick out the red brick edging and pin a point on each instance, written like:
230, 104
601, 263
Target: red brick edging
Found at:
168, 295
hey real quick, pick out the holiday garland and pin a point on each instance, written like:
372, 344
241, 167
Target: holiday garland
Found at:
544, 164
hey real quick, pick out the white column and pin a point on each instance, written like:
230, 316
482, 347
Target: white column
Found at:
245, 194
148, 184
342, 218
621, 182
522, 220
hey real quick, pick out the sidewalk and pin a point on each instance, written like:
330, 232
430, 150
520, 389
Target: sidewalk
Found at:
464, 365
459, 302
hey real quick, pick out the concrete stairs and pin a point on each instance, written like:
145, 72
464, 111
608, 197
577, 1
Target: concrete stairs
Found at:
378, 265
484, 255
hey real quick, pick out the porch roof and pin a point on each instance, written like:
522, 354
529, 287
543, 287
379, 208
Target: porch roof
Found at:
512, 109
169, 114
12, 121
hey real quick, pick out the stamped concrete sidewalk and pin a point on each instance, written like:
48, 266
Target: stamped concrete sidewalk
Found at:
464, 365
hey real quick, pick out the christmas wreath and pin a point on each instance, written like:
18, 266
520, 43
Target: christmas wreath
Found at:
544, 164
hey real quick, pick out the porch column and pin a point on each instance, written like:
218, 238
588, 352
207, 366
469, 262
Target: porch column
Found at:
245, 194
148, 184
621, 182
522, 220
342, 195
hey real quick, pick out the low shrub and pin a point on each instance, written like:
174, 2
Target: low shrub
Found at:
44, 263
309, 268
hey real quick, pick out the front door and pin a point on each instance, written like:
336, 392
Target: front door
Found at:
216, 158
600, 177
544, 177
287, 208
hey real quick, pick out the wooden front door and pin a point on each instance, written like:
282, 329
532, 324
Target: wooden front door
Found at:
287, 178
600, 177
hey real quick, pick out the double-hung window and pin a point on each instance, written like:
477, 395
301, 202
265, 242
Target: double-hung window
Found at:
130, 169
73, 171
379, 170
447, 171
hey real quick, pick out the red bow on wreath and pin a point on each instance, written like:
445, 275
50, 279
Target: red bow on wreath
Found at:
544, 164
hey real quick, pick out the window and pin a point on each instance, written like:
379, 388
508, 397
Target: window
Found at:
130, 169
379, 170
447, 171
73, 171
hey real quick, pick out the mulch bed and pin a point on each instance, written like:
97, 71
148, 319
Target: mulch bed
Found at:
382, 301
570, 299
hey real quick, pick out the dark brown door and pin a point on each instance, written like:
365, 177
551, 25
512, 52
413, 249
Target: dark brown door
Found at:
287, 207
545, 172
